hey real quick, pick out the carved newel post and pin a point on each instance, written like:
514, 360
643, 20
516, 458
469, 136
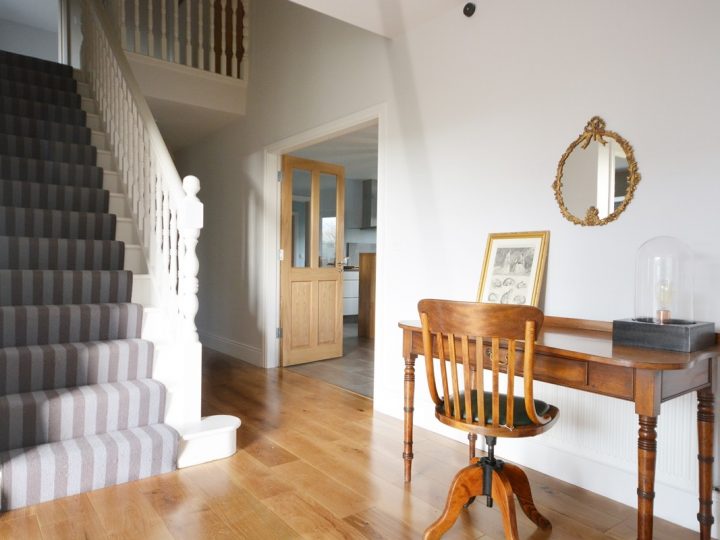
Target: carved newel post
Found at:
190, 221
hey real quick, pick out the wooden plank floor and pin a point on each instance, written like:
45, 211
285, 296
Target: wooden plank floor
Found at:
313, 462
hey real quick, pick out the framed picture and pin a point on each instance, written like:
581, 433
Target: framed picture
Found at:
513, 268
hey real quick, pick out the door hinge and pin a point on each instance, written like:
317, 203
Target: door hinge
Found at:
281, 254
279, 176
278, 332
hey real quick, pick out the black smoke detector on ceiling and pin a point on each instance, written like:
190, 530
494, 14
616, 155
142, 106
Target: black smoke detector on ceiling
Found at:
469, 9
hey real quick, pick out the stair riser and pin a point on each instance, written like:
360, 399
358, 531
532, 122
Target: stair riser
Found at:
62, 254
57, 415
40, 94
42, 111
94, 122
99, 140
26, 147
52, 197
56, 224
125, 231
143, 292
105, 160
84, 89
43, 325
40, 129
89, 105
111, 181
35, 64
48, 367
35, 287
50, 172
73, 467
118, 205
135, 259
29, 76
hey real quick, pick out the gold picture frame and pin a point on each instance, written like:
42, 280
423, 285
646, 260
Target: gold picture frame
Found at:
514, 267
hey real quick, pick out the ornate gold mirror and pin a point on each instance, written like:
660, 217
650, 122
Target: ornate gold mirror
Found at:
596, 177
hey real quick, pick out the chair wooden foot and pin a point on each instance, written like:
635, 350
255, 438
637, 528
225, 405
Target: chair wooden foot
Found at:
507, 483
521, 488
466, 484
502, 493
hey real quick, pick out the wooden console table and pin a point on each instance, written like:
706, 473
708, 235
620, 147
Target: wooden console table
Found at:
579, 354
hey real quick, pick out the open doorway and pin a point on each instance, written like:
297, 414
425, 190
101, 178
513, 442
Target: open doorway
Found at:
357, 152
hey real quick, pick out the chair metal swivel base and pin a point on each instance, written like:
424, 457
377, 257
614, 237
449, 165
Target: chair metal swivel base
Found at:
496, 480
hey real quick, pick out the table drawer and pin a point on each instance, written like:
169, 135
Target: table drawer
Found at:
560, 370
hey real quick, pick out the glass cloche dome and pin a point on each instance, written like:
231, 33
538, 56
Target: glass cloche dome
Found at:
664, 282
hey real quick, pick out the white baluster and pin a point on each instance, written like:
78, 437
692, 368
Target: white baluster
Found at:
123, 26
212, 60
137, 27
188, 34
245, 41
190, 223
173, 252
151, 33
233, 45
158, 221
166, 232
163, 30
201, 45
223, 43
176, 32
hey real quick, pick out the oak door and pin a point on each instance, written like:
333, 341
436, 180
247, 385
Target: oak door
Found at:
311, 271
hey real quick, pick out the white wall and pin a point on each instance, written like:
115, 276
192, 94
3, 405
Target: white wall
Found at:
479, 112
20, 38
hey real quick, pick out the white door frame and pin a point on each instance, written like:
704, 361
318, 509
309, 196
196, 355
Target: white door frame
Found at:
270, 279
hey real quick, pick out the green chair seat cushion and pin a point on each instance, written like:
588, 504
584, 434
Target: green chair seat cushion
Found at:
520, 417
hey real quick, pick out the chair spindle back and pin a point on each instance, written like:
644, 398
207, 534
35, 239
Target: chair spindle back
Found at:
470, 335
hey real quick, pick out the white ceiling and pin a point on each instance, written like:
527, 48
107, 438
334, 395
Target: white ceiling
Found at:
356, 151
41, 14
389, 18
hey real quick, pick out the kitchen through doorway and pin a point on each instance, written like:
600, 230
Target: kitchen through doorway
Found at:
357, 152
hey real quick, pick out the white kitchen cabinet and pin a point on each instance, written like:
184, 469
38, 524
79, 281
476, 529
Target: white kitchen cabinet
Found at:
351, 287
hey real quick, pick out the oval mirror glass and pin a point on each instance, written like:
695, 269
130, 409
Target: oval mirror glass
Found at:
596, 177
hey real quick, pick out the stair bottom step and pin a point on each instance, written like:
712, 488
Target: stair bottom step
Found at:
51, 471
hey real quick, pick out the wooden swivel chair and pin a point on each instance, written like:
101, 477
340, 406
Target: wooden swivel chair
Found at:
450, 332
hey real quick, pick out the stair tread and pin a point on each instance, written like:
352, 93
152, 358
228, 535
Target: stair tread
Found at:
73, 412
33, 76
25, 194
50, 172
40, 325
32, 109
63, 365
86, 463
44, 129
42, 223
29, 253
40, 93
57, 287
9, 58
37, 148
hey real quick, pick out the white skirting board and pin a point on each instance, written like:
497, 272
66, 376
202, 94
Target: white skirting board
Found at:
211, 438
242, 351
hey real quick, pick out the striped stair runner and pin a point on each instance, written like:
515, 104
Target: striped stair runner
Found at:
79, 409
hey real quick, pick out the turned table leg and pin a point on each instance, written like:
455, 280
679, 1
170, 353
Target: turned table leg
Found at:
409, 409
647, 447
705, 424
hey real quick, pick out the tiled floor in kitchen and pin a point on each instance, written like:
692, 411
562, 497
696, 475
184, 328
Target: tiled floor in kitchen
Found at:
353, 371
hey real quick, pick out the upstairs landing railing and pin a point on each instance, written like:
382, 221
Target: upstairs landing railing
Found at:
210, 35
166, 210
